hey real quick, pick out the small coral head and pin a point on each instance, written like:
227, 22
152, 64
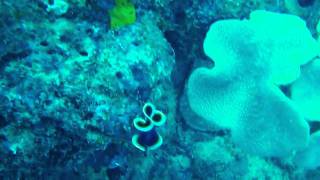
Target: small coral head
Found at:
158, 118
150, 140
143, 125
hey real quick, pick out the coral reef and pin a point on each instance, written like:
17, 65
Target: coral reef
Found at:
77, 76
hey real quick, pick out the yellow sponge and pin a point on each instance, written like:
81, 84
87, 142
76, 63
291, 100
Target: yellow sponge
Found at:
124, 13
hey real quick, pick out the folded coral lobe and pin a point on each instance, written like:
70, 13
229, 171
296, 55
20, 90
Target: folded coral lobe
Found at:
252, 58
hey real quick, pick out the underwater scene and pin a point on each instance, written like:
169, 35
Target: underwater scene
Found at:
159, 90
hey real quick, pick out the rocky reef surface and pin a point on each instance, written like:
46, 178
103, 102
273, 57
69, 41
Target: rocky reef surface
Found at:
71, 86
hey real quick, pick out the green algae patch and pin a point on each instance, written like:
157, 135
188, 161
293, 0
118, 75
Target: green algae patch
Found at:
124, 13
